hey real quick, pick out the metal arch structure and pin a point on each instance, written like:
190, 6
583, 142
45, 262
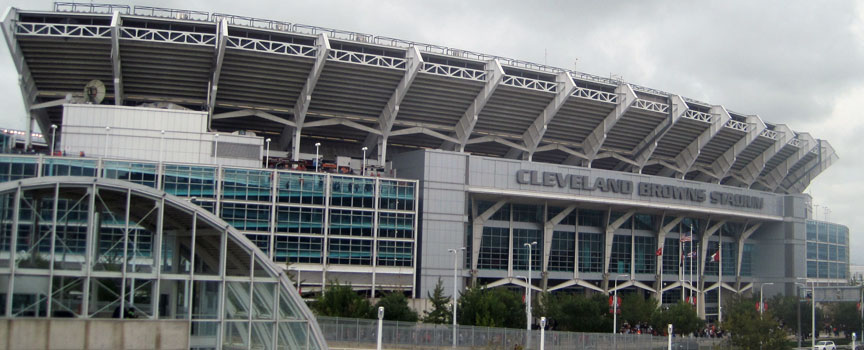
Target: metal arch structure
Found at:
92, 188
287, 81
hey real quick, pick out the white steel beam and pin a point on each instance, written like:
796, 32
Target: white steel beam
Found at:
720, 167
741, 239
798, 181
115, 58
645, 149
256, 113
477, 231
425, 131
688, 156
591, 145
773, 178
322, 45
661, 243
388, 115
345, 122
751, 171
548, 230
536, 130
562, 148
219, 52
609, 238
465, 126
703, 245
25, 79
496, 139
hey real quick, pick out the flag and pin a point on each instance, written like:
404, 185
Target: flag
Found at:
715, 257
686, 238
691, 254
659, 252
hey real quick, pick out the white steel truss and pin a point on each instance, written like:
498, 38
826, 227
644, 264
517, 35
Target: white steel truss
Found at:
366, 59
222, 36
167, 36
530, 84
591, 145
781, 135
651, 106
699, 116
391, 110
466, 123
425, 131
342, 121
805, 143
645, 149
269, 46
595, 95
302, 105
252, 112
536, 130
63, 30
688, 156
115, 59
453, 71
753, 128
25, 78
798, 181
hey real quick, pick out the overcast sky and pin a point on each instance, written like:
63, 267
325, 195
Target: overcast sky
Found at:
799, 63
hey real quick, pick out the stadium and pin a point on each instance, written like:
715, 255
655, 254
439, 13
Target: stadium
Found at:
364, 159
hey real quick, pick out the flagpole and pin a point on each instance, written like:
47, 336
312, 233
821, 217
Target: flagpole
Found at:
681, 264
691, 264
720, 277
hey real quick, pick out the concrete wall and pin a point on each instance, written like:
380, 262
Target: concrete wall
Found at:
136, 134
56, 334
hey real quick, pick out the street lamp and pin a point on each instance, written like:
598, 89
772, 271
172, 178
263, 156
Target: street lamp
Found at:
455, 284
615, 305
267, 154
528, 296
161, 146
363, 171
53, 139
317, 144
107, 135
761, 302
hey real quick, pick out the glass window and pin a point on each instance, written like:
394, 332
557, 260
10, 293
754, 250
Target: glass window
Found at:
671, 256
811, 230
812, 250
247, 217
643, 222
392, 253
397, 195
300, 220
350, 251
646, 254
628, 224
139, 173
494, 248
527, 213
711, 267
189, 181
245, 184
747, 260
68, 167
352, 192
590, 252
298, 249
730, 258
563, 251
395, 225
593, 218
351, 222
812, 269
261, 241
823, 251
520, 251
16, 168
570, 219
619, 260
301, 188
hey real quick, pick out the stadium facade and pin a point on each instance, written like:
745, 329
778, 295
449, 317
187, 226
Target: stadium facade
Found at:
620, 186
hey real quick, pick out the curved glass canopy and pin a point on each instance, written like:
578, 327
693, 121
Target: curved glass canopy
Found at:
90, 248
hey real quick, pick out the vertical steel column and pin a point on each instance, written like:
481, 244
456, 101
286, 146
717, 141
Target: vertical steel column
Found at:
13, 241
88, 248
325, 247
157, 245
376, 212
53, 246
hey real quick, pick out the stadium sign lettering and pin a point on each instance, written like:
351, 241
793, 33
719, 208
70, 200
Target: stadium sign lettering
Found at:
643, 189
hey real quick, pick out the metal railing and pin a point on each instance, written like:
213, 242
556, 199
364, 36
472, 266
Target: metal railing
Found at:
362, 334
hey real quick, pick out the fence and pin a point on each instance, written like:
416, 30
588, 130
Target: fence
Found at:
354, 333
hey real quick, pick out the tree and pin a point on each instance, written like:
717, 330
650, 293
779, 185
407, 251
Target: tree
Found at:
440, 312
491, 307
682, 316
340, 300
577, 313
845, 316
785, 309
748, 330
636, 309
395, 308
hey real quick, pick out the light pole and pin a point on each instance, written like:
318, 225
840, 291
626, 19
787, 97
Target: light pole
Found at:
812, 311
380, 324
216, 148
455, 285
317, 144
53, 139
615, 306
542, 333
363, 171
267, 154
761, 302
528, 291
107, 135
